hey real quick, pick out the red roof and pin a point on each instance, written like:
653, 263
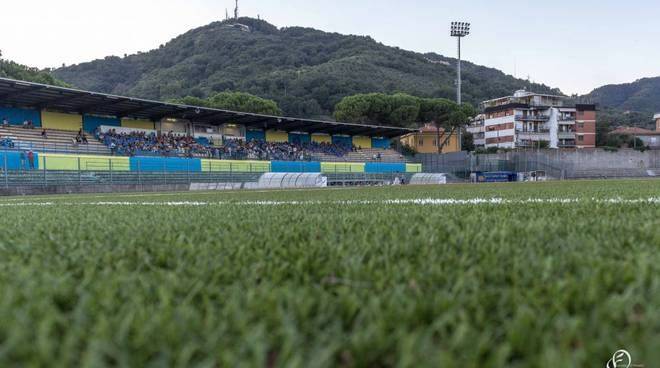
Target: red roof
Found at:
430, 128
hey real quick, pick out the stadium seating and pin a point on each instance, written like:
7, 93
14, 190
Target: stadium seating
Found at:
144, 143
57, 151
364, 155
55, 141
150, 143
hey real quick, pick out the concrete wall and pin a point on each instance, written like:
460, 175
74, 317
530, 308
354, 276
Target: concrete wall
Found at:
591, 159
61, 121
559, 162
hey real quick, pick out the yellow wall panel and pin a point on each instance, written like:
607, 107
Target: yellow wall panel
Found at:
60, 121
321, 138
362, 142
235, 166
52, 161
413, 168
342, 167
276, 136
137, 124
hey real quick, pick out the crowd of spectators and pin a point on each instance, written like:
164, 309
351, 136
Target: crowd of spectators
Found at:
135, 143
170, 144
6, 142
279, 151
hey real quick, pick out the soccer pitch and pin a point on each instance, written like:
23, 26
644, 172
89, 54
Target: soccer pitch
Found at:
556, 274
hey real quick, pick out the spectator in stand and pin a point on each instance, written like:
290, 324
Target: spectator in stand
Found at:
44, 134
139, 142
7, 142
30, 157
26, 124
5, 122
22, 158
80, 137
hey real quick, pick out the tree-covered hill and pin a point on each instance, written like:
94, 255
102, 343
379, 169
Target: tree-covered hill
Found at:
306, 71
13, 70
642, 95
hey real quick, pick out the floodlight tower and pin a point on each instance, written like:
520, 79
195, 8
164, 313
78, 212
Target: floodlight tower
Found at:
459, 30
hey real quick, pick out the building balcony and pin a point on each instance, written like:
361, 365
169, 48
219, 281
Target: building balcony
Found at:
533, 131
532, 118
475, 129
566, 135
534, 136
530, 143
570, 119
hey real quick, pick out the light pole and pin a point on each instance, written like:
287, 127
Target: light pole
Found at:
459, 30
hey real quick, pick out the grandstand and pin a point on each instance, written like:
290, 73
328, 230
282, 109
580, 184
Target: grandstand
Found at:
136, 136
58, 141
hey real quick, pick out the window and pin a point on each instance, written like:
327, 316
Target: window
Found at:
421, 142
580, 138
580, 125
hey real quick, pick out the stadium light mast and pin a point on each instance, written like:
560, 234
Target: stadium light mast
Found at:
459, 30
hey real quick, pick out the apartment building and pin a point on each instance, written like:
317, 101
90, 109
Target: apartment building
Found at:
476, 128
531, 120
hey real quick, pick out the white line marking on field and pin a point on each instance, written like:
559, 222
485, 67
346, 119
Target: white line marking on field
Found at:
417, 201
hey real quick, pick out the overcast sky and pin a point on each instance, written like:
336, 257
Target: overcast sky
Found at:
575, 45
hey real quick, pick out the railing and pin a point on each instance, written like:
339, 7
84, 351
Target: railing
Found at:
57, 148
530, 144
45, 172
533, 131
366, 158
565, 135
532, 118
46, 178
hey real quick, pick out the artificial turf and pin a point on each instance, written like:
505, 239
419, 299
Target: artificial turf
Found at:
556, 274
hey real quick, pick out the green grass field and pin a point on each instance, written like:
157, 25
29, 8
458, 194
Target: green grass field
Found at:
512, 275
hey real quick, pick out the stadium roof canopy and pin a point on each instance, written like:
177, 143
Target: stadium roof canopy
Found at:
40, 96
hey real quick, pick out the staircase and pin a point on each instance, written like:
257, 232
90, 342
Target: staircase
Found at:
364, 155
57, 141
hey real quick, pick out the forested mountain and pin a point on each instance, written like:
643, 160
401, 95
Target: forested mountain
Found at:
642, 95
306, 71
12, 70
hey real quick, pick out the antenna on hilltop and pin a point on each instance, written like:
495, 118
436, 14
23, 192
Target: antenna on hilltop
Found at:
236, 10
226, 14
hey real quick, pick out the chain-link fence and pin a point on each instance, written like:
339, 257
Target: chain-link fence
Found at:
557, 164
31, 170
